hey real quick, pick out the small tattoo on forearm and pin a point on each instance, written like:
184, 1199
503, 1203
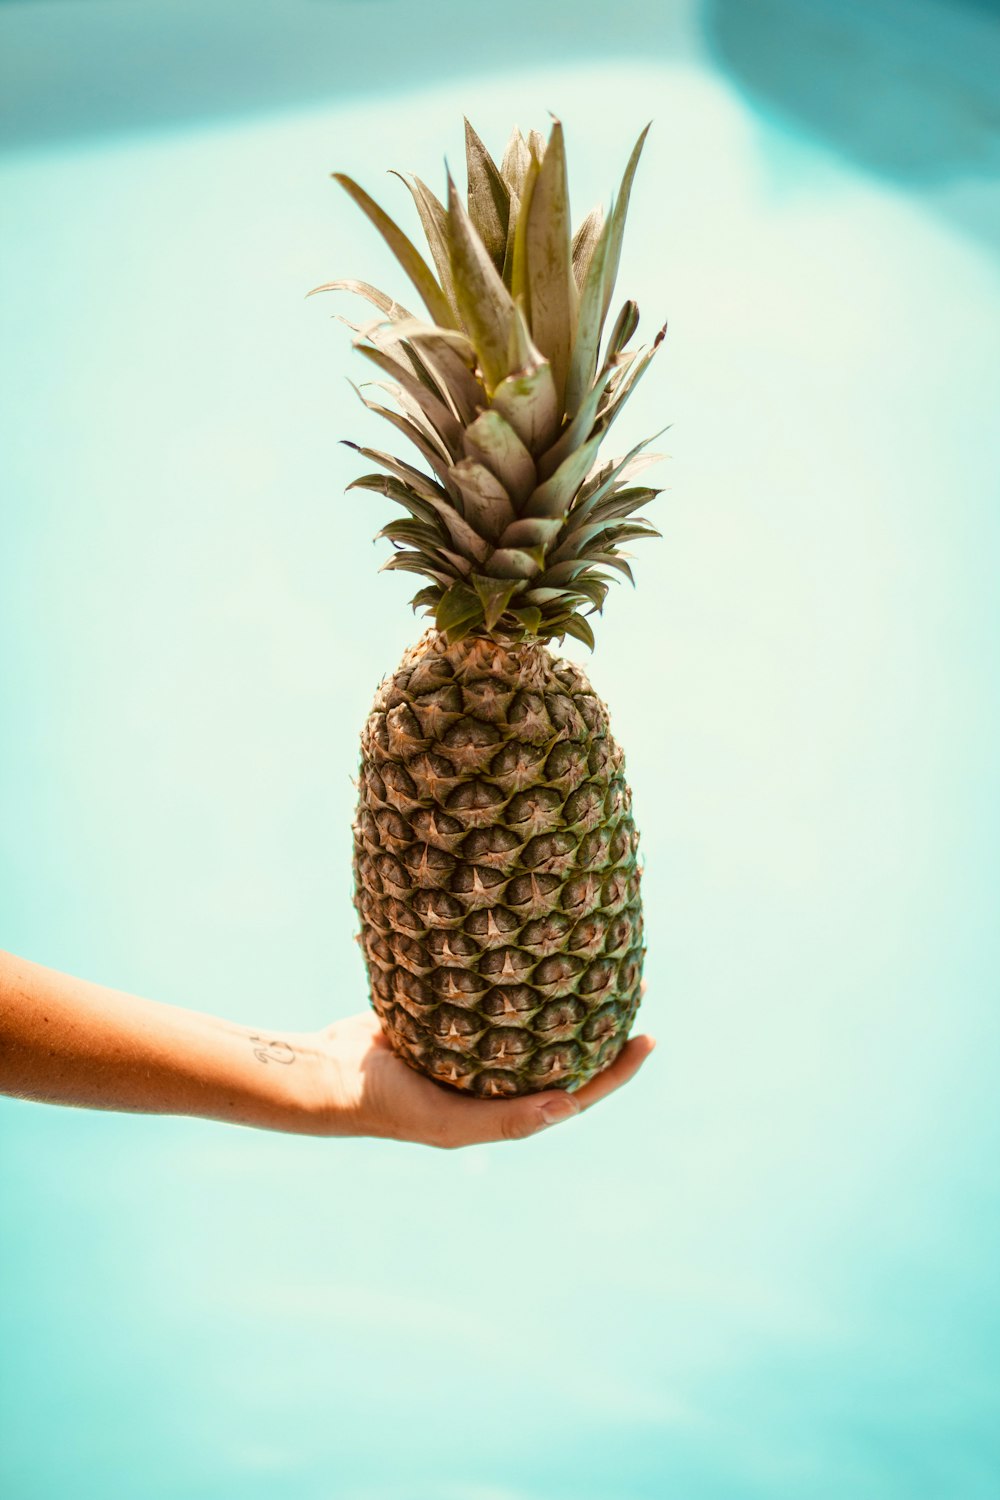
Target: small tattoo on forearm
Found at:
266, 1051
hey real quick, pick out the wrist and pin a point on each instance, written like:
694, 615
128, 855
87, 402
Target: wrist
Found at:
302, 1088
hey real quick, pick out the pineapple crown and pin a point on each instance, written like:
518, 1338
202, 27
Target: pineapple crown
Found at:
505, 394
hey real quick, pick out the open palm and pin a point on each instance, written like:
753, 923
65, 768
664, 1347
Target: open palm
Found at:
381, 1095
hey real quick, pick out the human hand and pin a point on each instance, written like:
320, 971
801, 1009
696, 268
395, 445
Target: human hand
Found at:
373, 1092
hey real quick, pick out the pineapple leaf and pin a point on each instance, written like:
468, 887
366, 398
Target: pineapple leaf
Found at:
610, 530
496, 594
598, 288
434, 219
392, 309
489, 197
623, 503
590, 321
603, 483
578, 430
623, 391
514, 166
625, 325
417, 562
438, 462
458, 612
450, 360
527, 401
578, 626
492, 440
483, 300
612, 560
551, 288
530, 618
487, 504
554, 496
425, 597
593, 588
413, 533
584, 242
561, 574
543, 596
382, 484
424, 486
617, 221
536, 532
405, 251
468, 542
444, 422
518, 252
515, 562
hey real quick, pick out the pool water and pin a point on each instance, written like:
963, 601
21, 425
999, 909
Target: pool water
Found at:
769, 1267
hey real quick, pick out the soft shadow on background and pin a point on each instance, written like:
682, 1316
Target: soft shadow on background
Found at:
769, 1268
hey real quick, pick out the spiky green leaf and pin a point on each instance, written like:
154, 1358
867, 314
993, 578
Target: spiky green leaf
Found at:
419, 562
386, 304
426, 598
617, 221
405, 251
553, 498
515, 562
584, 243
516, 274
548, 249
487, 504
483, 300
493, 441
489, 197
421, 483
458, 612
625, 325
598, 289
527, 401
393, 489
578, 431
440, 462
434, 220
442, 419
515, 162
496, 594
449, 360
578, 626
536, 532
529, 618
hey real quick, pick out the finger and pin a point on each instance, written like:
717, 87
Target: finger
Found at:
625, 1066
478, 1122
475, 1122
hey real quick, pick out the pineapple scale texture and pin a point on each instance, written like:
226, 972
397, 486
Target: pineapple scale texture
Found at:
496, 869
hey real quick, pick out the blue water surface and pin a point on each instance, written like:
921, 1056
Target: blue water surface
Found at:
769, 1267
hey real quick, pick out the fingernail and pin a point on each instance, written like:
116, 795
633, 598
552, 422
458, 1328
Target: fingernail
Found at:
557, 1110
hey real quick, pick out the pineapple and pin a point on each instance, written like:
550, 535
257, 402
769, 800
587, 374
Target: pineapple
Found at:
495, 855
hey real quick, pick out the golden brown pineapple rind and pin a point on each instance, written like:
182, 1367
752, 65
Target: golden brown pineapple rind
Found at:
496, 869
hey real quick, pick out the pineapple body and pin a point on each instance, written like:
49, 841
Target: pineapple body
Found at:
496, 869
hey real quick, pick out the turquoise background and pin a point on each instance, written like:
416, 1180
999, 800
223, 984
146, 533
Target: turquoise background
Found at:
769, 1267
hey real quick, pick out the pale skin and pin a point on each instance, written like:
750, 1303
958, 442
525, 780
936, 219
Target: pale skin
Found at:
67, 1041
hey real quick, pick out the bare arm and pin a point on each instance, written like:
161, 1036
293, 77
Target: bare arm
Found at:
66, 1041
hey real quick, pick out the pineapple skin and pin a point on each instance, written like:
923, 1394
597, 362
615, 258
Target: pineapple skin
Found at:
496, 869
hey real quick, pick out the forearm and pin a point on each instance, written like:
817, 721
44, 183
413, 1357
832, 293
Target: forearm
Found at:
65, 1041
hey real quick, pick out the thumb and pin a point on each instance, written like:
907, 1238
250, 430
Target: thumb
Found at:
527, 1116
